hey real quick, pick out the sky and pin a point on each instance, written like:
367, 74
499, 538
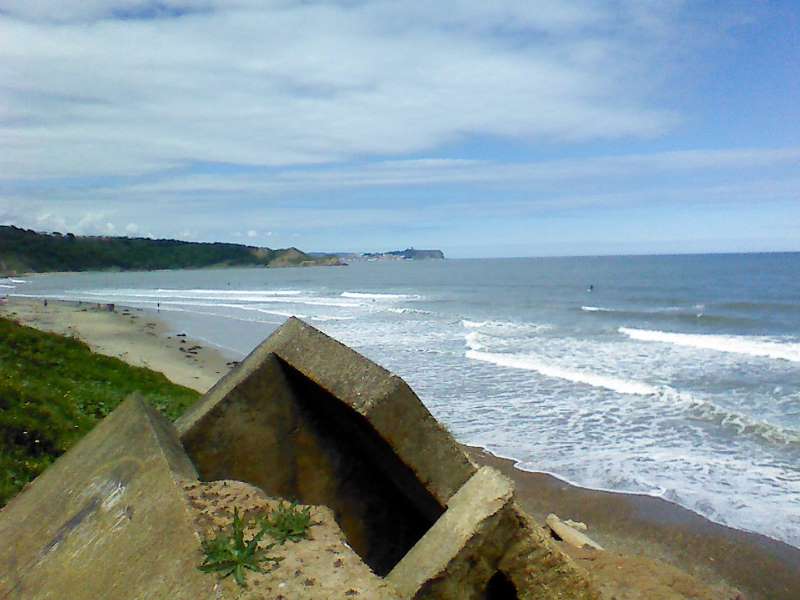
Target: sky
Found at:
502, 128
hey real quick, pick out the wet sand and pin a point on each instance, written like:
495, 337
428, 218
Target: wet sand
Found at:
654, 549
643, 527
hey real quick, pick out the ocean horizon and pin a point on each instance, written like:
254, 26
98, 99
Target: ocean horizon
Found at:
669, 375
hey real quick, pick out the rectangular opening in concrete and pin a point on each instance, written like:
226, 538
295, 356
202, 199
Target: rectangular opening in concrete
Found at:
343, 463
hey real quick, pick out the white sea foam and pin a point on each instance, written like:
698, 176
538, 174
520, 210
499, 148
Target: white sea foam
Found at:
750, 345
472, 341
596, 309
188, 293
505, 327
655, 310
280, 313
742, 423
473, 324
532, 363
408, 311
696, 408
329, 318
10, 287
383, 297
186, 297
214, 293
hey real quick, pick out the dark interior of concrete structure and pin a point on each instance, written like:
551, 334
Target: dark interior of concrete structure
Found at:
378, 501
500, 588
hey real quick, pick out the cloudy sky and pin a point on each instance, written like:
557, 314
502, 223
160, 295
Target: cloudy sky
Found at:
485, 128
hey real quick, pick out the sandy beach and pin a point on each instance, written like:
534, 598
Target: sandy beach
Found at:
657, 546
133, 335
654, 549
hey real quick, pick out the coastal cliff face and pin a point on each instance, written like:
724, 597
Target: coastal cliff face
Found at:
407, 254
23, 250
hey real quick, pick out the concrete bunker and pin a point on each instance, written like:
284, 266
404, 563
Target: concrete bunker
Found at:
287, 425
378, 502
318, 450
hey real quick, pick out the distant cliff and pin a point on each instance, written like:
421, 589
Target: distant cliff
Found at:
24, 250
407, 254
412, 254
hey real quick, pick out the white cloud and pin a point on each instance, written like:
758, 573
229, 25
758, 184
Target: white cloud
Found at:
427, 172
252, 233
281, 83
132, 228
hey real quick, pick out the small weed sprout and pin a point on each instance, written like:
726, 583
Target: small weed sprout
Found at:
288, 522
231, 554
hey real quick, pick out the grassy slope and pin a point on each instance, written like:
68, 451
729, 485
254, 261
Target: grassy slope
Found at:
54, 389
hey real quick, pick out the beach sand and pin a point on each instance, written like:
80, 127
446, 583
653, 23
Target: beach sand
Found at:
136, 336
655, 550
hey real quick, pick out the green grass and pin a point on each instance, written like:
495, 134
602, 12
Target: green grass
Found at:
54, 389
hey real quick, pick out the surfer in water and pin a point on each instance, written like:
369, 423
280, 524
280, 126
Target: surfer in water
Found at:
590, 288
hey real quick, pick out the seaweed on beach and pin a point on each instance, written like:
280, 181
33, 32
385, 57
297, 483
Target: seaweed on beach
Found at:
54, 389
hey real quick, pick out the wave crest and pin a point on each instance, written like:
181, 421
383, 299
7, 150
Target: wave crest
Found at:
750, 345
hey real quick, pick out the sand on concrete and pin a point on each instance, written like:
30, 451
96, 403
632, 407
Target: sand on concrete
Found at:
133, 335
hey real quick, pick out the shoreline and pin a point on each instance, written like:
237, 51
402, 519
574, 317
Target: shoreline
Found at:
650, 541
647, 526
136, 336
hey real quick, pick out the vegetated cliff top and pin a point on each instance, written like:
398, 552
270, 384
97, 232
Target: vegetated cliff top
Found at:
25, 250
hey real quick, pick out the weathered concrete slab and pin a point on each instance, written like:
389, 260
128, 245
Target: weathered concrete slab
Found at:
306, 418
458, 555
106, 520
384, 399
484, 547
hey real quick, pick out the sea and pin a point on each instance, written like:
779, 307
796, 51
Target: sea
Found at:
673, 376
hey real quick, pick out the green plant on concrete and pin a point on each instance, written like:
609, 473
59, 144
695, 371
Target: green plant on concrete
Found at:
230, 554
288, 522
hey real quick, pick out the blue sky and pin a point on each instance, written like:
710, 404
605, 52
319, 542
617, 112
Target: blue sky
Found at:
483, 128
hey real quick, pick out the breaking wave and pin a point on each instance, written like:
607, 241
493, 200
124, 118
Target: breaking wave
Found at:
408, 311
695, 408
389, 297
505, 327
531, 363
749, 345
596, 309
